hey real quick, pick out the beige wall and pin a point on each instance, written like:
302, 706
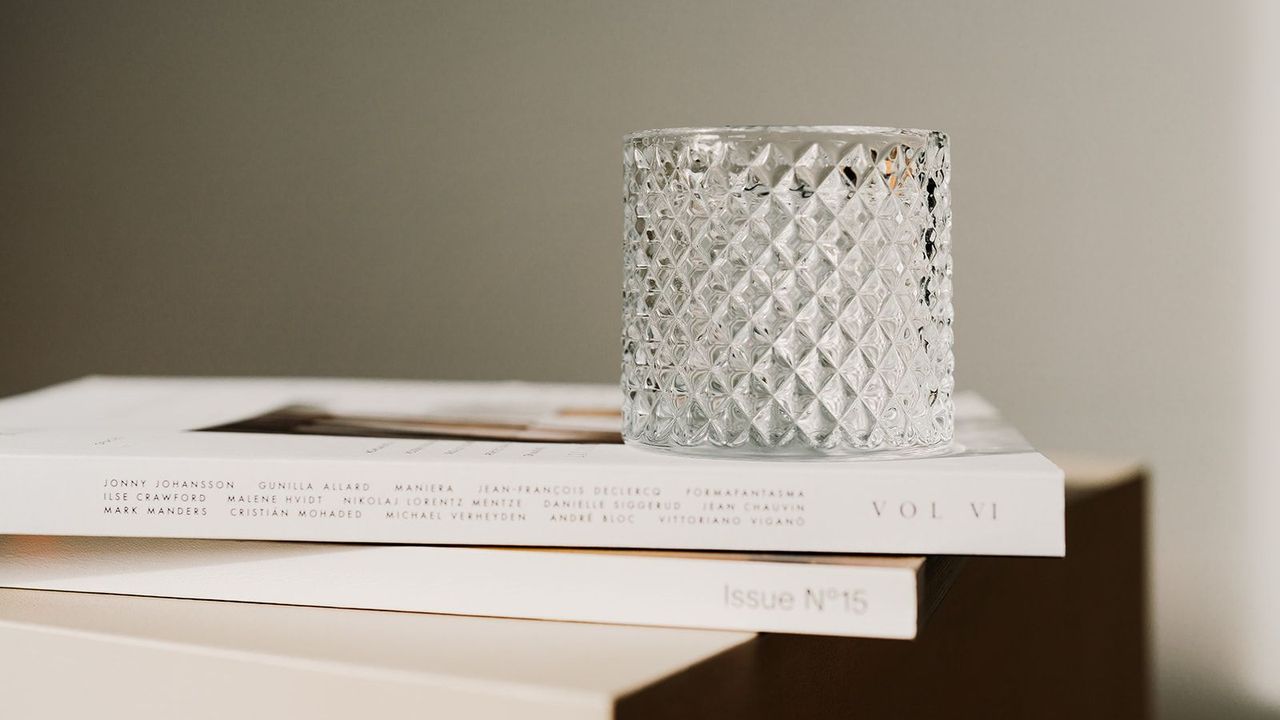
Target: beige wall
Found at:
432, 190
1257, 441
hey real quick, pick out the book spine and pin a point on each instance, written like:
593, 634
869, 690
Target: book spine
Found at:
761, 596
530, 505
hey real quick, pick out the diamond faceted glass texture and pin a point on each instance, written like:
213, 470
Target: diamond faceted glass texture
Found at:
787, 291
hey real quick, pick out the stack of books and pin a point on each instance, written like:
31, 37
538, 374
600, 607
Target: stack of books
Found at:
494, 499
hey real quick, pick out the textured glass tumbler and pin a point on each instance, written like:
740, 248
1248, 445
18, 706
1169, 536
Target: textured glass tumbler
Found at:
787, 291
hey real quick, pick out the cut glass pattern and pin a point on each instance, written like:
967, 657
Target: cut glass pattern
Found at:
787, 290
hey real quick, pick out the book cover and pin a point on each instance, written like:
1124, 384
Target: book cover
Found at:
408, 462
81, 655
860, 596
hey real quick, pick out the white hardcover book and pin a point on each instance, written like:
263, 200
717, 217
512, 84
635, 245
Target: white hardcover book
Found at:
883, 597
68, 656
407, 462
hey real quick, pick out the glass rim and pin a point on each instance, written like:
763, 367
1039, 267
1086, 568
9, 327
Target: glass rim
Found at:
744, 131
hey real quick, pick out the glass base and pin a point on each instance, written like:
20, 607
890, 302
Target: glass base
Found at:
802, 454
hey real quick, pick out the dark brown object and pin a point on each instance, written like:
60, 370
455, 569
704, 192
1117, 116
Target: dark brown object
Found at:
1015, 638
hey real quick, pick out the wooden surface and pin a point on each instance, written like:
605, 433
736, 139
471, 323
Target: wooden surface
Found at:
1014, 638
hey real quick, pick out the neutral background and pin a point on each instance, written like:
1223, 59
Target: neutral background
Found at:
432, 190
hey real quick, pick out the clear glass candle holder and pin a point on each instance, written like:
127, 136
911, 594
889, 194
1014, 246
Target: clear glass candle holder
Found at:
787, 291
